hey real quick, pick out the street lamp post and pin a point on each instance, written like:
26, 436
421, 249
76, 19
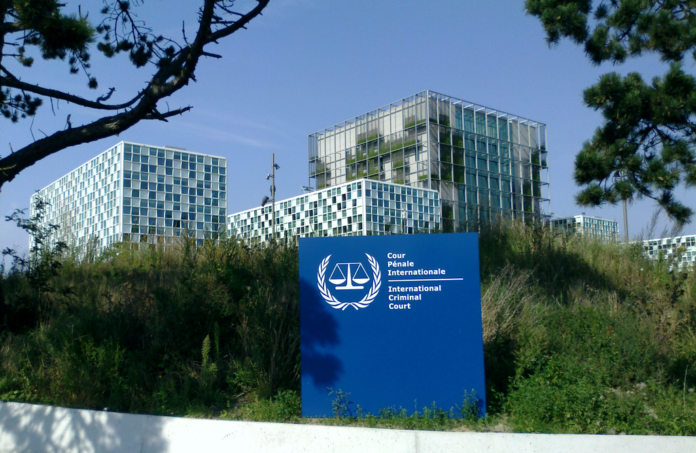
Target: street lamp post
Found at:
265, 200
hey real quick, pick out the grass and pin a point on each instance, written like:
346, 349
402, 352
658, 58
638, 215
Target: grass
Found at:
286, 407
579, 337
154, 331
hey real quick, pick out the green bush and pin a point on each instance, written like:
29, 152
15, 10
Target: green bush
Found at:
590, 370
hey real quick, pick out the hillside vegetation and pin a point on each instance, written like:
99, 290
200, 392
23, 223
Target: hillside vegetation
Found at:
579, 336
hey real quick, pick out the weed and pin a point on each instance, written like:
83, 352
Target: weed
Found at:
340, 404
283, 407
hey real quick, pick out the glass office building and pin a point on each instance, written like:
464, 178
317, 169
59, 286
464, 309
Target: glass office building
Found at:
584, 225
483, 162
138, 193
356, 208
681, 248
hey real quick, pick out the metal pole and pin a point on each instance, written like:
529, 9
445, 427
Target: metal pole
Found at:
273, 192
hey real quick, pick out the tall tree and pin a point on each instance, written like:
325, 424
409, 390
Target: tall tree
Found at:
645, 146
42, 24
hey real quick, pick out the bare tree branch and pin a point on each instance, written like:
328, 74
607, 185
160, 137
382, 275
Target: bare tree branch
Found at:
155, 115
55, 94
175, 70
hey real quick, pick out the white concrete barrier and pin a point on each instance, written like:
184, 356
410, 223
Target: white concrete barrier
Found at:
37, 429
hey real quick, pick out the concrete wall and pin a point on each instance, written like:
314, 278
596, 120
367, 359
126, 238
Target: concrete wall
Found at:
37, 429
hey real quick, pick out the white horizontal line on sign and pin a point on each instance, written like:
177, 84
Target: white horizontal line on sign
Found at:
427, 280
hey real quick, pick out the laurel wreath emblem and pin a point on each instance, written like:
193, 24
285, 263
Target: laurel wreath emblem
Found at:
365, 301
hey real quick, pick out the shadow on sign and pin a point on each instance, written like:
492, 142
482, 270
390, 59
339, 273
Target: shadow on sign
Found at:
325, 369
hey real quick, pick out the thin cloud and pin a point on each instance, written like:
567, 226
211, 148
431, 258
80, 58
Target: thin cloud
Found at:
213, 133
240, 121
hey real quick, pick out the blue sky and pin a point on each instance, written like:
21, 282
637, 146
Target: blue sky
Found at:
308, 64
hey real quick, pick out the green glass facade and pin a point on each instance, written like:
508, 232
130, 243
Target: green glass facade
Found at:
485, 163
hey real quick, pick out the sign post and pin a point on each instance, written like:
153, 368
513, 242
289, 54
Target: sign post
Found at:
390, 322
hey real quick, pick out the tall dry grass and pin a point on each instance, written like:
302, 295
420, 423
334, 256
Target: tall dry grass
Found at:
583, 336
128, 331
579, 336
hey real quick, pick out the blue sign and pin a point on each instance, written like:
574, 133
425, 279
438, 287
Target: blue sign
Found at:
390, 322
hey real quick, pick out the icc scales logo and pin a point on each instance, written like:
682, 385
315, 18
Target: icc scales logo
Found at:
348, 277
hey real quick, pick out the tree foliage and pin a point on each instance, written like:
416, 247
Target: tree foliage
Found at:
43, 27
645, 147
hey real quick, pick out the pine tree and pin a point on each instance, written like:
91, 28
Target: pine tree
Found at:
645, 146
